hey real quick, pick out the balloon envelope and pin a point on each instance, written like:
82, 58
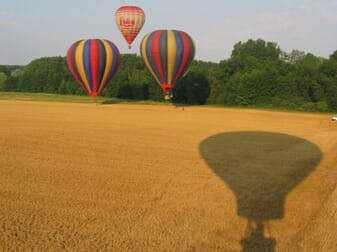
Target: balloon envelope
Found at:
93, 63
168, 55
130, 20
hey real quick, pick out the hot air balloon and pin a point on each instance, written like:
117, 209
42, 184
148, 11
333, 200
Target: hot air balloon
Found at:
168, 55
130, 20
93, 63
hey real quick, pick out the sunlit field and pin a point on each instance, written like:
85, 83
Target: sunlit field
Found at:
128, 177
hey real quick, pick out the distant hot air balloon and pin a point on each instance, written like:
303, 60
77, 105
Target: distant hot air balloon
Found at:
130, 20
93, 63
168, 55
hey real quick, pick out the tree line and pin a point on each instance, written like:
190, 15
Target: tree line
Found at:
257, 74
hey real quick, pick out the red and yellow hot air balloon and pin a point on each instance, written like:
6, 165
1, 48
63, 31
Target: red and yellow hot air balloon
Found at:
168, 55
130, 20
93, 63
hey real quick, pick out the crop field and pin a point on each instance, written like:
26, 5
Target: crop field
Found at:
128, 177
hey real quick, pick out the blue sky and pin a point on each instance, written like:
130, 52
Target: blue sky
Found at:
38, 28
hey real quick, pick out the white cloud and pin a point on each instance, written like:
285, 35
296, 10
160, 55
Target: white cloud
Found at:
298, 28
329, 13
7, 21
306, 25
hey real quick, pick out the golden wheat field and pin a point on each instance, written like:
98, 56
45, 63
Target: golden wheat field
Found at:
122, 177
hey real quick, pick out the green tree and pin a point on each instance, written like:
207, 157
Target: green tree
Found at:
293, 57
333, 56
11, 84
259, 49
5, 70
3, 79
42, 75
192, 89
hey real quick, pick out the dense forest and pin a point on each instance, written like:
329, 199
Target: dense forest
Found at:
257, 74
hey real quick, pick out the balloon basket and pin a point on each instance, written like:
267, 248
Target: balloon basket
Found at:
168, 95
94, 100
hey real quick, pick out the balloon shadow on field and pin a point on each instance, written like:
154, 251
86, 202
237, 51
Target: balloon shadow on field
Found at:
261, 168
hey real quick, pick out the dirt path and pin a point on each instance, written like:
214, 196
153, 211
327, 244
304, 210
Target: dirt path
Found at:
150, 178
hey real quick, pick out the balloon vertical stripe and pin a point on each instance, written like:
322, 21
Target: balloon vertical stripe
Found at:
171, 48
186, 53
108, 64
163, 57
180, 51
168, 55
114, 61
80, 64
157, 56
143, 52
102, 62
72, 65
149, 55
93, 63
86, 62
190, 55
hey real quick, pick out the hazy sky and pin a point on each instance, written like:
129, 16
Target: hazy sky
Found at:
31, 29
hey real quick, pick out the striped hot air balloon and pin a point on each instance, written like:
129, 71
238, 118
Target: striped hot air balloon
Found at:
130, 20
168, 55
93, 63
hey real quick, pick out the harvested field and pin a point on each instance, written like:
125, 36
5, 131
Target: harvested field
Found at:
158, 178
